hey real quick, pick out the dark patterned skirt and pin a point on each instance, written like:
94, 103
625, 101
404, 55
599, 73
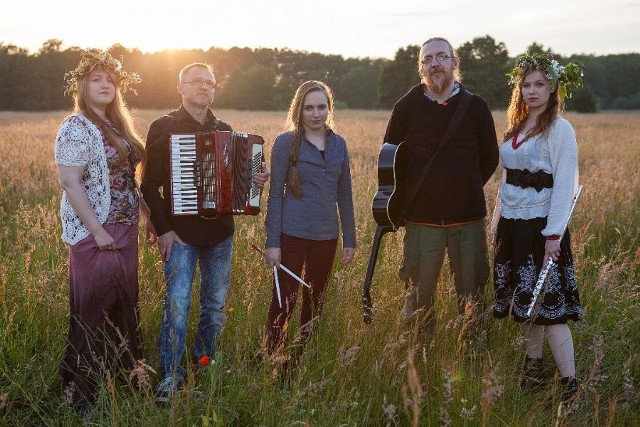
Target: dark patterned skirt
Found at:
519, 254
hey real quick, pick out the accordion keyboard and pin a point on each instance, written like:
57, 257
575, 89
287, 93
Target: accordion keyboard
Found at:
212, 173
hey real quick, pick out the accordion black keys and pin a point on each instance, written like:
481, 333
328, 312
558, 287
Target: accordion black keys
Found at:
212, 173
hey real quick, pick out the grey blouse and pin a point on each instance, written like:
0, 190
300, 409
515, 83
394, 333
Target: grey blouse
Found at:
326, 191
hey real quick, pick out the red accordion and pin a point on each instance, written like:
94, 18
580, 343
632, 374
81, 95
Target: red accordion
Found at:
212, 173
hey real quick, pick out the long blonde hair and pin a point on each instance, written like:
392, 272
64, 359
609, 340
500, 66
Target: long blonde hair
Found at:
518, 112
117, 113
295, 125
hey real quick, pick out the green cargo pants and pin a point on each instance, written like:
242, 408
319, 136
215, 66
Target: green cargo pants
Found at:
423, 256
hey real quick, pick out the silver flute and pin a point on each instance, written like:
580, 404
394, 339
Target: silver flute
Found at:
545, 271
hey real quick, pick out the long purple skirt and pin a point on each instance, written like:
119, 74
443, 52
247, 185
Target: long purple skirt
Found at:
103, 303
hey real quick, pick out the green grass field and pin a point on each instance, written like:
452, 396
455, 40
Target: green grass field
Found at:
350, 374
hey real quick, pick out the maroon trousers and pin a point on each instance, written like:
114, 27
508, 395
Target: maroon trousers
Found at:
103, 322
316, 256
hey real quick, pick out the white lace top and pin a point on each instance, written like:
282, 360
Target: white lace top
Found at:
80, 143
555, 153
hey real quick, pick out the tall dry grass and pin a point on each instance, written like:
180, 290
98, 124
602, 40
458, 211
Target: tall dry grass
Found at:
350, 373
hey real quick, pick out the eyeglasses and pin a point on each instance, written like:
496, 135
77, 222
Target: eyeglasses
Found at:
439, 58
198, 83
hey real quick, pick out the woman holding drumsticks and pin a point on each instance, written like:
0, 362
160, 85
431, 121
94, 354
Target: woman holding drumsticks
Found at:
310, 185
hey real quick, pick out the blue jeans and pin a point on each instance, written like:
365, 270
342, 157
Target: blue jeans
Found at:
179, 271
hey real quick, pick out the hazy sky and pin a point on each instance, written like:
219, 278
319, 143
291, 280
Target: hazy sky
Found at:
349, 28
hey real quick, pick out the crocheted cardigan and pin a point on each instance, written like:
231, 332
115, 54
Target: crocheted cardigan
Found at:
80, 143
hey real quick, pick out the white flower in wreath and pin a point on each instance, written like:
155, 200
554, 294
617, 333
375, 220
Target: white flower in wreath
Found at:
555, 70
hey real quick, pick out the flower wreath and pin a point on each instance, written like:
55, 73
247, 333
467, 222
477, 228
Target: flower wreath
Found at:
93, 58
569, 76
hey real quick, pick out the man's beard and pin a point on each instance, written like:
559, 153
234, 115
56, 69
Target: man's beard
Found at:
438, 80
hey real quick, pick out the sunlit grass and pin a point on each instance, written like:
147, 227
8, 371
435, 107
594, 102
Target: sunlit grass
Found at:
350, 373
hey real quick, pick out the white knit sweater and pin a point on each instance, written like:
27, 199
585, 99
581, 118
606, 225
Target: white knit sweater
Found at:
555, 153
80, 143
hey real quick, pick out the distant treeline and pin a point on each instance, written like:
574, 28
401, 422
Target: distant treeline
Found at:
265, 79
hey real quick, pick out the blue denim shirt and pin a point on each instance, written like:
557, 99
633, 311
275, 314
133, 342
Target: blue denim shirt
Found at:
326, 190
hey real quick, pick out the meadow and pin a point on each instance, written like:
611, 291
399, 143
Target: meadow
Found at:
350, 373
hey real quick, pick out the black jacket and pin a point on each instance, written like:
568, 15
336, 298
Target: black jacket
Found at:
452, 192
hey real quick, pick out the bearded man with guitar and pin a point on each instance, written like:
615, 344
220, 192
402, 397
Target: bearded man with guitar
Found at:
445, 141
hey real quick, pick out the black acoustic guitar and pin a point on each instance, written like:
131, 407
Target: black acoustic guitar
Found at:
388, 208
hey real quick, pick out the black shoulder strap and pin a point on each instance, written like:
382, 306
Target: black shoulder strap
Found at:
453, 124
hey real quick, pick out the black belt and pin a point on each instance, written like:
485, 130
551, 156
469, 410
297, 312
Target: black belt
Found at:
526, 179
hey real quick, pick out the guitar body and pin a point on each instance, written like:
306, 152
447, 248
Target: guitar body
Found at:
389, 201
388, 208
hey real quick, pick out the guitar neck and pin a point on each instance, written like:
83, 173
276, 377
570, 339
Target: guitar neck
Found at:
367, 304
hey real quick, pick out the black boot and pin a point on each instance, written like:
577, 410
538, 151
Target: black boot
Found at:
532, 377
570, 388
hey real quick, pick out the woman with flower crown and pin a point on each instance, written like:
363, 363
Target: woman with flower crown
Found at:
539, 181
96, 151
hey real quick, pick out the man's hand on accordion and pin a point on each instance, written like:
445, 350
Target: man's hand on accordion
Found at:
260, 179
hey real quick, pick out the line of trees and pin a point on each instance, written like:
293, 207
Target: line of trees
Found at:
265, 79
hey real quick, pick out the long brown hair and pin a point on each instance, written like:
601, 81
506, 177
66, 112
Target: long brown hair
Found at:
518, 112
294, 124
117, 113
